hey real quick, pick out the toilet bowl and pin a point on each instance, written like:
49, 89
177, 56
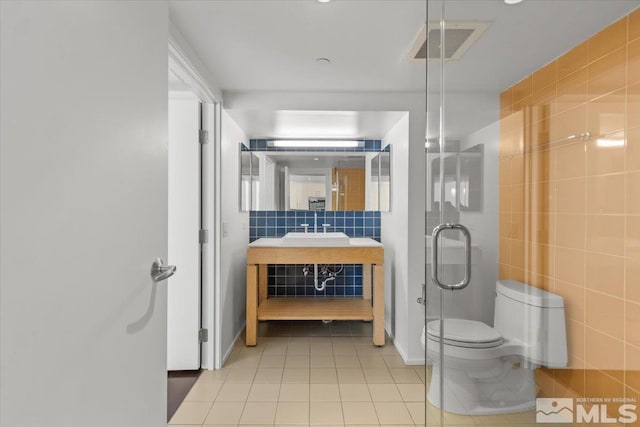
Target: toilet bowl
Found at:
490, 370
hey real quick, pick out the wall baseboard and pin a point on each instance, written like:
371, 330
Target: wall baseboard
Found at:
409, 360
415, 361
227, 353
403, 354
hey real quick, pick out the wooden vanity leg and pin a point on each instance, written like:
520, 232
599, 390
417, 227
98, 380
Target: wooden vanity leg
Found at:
366, 281
378, 305
262, 282
252, 305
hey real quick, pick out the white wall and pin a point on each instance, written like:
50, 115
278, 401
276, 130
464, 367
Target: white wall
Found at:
84, 213
394, 224
402, 227
233, 251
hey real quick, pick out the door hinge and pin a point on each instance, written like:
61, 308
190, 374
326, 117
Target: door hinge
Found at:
203, 335
203, 136
203, 236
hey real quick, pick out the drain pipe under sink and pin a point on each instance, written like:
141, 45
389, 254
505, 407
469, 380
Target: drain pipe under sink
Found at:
319, 286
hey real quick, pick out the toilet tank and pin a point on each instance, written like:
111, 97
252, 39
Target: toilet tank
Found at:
535, 318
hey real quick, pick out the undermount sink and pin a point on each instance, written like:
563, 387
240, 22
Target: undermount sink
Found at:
315, 239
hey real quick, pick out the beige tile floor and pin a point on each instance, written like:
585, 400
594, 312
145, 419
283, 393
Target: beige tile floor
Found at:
318, 381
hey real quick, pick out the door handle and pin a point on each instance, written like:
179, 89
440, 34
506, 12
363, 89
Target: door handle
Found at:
434, 256
160, 272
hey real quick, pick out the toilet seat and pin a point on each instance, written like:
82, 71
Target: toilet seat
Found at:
465, 333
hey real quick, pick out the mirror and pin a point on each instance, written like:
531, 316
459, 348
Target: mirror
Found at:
380, 184
314, 180
462, 175
245, 178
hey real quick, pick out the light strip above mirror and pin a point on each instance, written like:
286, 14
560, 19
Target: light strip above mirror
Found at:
315, 143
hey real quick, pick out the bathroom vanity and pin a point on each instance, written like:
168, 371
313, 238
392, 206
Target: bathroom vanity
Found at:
314, 248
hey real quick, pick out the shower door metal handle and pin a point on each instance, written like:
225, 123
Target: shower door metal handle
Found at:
434, 256
160, 272
423, 299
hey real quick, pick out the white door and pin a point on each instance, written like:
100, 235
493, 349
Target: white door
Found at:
183, 299
83, 192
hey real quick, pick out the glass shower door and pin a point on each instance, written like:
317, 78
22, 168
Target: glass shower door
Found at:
461, 162
471, 380
530, 146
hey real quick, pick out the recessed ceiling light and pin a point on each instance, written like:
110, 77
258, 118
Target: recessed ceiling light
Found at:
324, 1
512, 1
324, 61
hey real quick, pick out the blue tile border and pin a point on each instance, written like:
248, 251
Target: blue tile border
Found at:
288, 280
279, 223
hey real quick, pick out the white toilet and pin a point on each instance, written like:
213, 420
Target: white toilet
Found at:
490, 370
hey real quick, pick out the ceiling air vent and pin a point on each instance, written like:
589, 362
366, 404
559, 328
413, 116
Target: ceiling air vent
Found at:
458, 38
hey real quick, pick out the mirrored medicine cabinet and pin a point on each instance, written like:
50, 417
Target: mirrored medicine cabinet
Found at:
315, 180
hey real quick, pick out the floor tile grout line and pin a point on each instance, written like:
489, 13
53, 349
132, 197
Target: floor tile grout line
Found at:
358, 357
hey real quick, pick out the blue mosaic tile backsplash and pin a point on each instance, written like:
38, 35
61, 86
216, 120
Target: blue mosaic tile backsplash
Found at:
289, 280
369, 145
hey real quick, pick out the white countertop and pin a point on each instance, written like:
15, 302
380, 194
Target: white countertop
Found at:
268, 242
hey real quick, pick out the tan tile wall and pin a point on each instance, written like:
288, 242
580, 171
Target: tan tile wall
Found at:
570, 209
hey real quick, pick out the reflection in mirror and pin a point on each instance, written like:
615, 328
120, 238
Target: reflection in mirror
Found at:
320, 181
315, 180
348, 187
373, 201
385, 180
307, 192
470, 178
256, 187
379, 192
249, 179
462, 175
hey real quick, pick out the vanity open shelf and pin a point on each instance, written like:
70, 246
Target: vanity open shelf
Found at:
369, 307
307, 308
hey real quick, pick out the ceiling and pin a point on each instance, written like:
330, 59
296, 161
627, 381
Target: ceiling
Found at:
315, 124
271, 46
254, 45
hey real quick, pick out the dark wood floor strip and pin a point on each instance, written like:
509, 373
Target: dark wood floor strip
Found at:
178, 385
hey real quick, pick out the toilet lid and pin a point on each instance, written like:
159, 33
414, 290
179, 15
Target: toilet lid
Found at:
465, 333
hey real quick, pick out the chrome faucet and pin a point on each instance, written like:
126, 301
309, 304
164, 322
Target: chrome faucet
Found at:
324, 227
315, 221
305, 226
